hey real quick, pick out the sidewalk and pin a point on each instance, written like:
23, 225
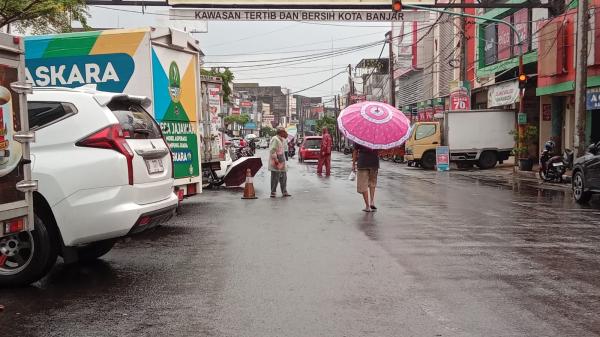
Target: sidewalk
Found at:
508, 170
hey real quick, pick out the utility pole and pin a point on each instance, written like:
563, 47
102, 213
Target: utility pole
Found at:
389, 36
463, 44
337, 114
350, 83
581, 77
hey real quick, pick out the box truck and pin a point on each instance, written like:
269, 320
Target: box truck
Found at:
474, 137
17, 237
159, 63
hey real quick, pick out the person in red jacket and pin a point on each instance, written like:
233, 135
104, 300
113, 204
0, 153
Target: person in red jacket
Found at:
325, 154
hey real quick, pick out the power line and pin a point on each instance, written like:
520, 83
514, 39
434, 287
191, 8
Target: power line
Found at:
316, 85
292, 75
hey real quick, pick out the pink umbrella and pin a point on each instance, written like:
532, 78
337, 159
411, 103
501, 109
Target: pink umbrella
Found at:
374, 125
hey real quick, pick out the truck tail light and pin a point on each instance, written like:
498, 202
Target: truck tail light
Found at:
14, 226
111, 138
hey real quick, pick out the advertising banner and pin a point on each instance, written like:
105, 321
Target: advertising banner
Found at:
295, 15
546, 112
506, 93
124, 61
504, 43
442, 158
592, 101
175, 106
521, 23
460, 96
491, 44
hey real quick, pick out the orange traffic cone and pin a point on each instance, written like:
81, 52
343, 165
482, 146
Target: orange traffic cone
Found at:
249, 192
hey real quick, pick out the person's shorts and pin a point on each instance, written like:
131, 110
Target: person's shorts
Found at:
365, 178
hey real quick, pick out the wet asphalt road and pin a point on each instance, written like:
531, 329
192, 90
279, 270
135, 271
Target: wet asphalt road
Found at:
459, 254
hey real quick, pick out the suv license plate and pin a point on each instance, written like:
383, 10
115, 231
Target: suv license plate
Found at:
557, 164
155, 166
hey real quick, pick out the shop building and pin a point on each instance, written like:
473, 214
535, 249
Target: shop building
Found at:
556, 78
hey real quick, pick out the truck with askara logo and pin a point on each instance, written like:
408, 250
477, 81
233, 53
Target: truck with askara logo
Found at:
160, 63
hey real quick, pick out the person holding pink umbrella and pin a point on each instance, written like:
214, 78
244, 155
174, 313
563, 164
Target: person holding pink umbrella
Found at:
367, 163
372, 126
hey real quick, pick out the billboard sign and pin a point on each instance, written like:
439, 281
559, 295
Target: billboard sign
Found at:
491, 44
295, 15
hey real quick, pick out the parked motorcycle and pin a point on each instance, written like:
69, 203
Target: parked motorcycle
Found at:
242, 152
291, 149
348, 149
552, 167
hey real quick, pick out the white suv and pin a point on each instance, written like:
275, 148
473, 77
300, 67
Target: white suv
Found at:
104, 171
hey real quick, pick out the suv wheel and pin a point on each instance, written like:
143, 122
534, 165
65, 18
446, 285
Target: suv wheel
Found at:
27, 256
579, 193
95, 250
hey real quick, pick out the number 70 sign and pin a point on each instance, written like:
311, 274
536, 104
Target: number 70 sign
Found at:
460, 99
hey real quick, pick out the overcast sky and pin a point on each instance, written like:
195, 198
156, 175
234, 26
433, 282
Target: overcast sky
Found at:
237, 41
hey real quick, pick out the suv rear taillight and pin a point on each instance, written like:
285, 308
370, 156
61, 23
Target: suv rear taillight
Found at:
112, 138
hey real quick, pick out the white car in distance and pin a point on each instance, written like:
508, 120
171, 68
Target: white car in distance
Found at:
104, 171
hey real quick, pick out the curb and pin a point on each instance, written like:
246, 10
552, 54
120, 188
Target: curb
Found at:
534, 174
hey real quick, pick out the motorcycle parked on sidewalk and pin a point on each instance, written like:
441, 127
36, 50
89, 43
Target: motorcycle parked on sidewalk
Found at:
552, 167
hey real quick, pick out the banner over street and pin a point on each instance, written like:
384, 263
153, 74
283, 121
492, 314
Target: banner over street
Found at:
295, 15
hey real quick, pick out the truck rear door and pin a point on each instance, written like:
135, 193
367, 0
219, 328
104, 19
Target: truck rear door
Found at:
16, 213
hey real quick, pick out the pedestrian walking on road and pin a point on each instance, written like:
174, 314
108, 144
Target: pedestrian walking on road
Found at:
367, 162
277, 163
325, 153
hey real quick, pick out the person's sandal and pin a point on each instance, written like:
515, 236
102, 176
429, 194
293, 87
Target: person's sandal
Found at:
273, 195
373, 208
366, 210
286, 195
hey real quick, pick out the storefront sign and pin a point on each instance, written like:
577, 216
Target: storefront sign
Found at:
522, 118
506, 93
593, 99
295, 15
250, 126
235, 111
442, 158
214, 102
504, 45
460, 98
546, 112
491, 44
246, 104
521, 23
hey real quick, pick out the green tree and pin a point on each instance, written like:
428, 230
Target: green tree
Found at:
329, 122
267, 131
227, 77
240, 120
43, 16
